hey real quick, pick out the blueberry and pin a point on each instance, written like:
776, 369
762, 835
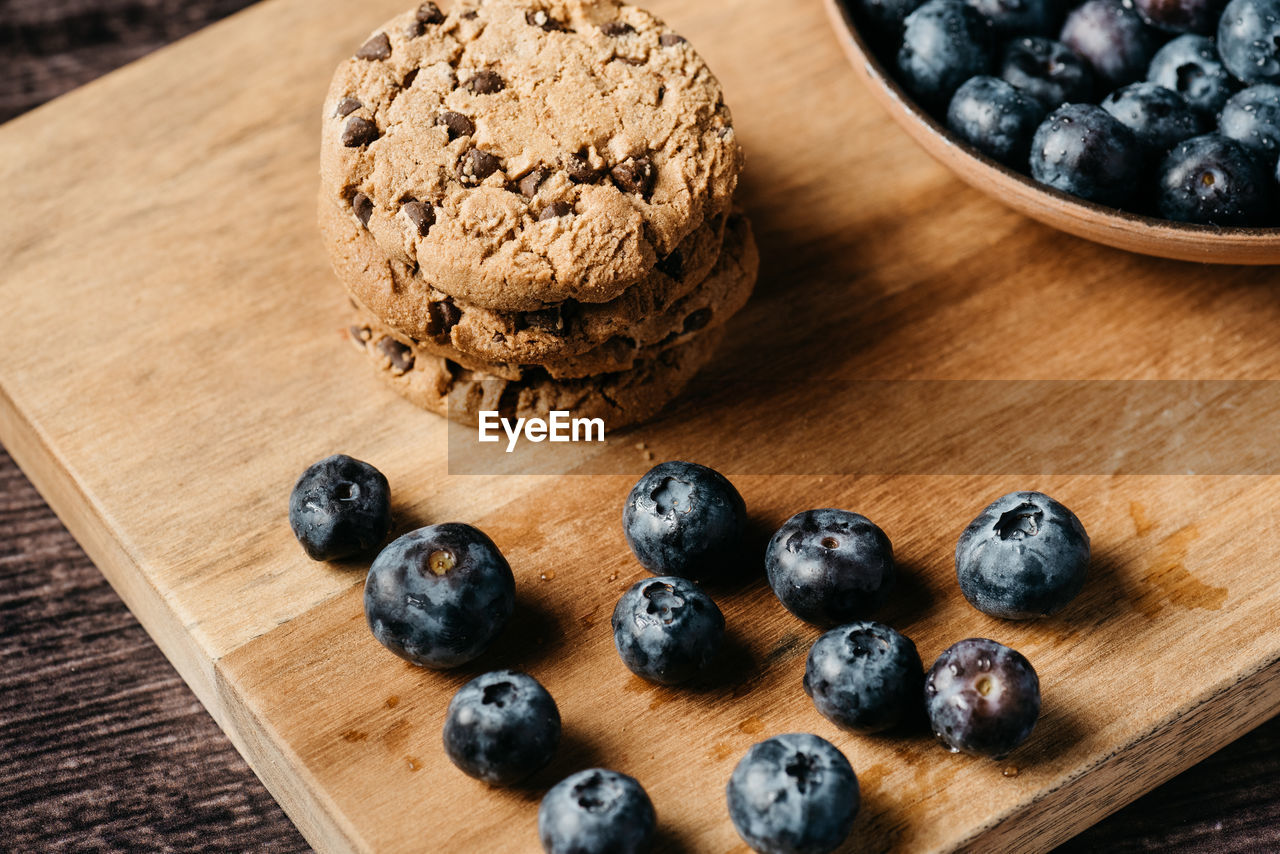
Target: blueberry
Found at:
340, 507
1181, 16
995, 118
596, 812
1080, 149
1190, 66
887, 15
1024, 556
438, 596
1160, 118
982, 698
944, 43
1214, 180
793, 794
864, 677
1111, 38
1020, 17
830, 566
684, 519
501, 727
1252, 118
1048, 71
1249, 40
666, 629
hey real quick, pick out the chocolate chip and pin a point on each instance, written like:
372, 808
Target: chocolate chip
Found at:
357, 132
545, 320
422, 216
378, 47
359, 334
476, 165
673, 265
429, 13
580, 169
635, 175
530, 183
346, 107
541, 19
400, 355
441, 317
670, 39
614, 29
724, 131
485, 82
457, 124
697, 320
499, 338
363, 206
554, 210
408, 79
469, 15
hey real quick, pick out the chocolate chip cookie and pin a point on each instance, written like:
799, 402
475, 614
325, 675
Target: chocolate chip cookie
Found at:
520, 153
447, 388
570, 339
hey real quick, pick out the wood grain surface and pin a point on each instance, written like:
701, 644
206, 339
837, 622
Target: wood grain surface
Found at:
74, 420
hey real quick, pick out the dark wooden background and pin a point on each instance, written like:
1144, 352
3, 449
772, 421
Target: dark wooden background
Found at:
102, 746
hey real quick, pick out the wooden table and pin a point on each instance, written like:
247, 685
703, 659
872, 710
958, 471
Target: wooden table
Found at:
103, 748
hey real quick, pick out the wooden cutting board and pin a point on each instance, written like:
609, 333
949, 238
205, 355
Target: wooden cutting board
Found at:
171, 357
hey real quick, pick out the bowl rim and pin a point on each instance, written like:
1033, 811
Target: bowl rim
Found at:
909, 114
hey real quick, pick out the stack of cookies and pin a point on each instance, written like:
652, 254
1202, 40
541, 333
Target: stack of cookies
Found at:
530, 203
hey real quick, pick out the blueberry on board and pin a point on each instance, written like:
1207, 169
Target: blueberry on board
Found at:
1181, 16
1190, 66
666, 629
793, 794
1216, 181
944, 43
596, 811
1111, 38
1081, 149
887, 15
864, 677
1025, 556
501, 727
1048, 71
1160, 118
1020, 17
340, 507
438, 596
684, 519
996, 118
830, 566
1252, 118
982, 698
1249, 40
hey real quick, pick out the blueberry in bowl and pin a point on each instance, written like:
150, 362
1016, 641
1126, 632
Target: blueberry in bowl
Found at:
667, 630
1215, 180
1083, 150
995, 117
684, 519
830, 566
944, 43
1047, 70
1249, 40
501, 727
982, 698
1160, 118
440, 595
1252, 118
1024, 556
1190, 65
1112, 38
339, 508
793, 794
596, 811
1181, 16
1021, 17
864, 677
